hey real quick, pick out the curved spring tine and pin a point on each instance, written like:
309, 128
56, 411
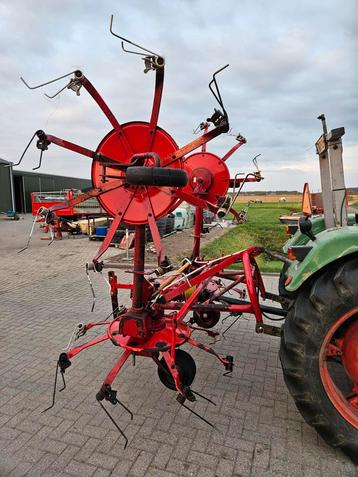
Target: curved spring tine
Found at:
92, 289
52, 234
40, 161
58, 92
31, 232
23, 154
130, 51
254, 160
217, 94
114, 422
130, 42
47, 82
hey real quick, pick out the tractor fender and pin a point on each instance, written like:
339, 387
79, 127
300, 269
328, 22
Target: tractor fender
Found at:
318, 226
330, 245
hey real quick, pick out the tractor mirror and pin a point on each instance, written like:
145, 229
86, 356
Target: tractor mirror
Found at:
305, 226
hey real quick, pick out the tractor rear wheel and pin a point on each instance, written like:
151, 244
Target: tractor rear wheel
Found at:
185, 365
319, 355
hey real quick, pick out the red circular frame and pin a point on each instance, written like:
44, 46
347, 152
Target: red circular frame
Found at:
217, 169
113, 145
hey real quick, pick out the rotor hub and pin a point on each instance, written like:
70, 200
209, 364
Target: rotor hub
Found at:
208, 174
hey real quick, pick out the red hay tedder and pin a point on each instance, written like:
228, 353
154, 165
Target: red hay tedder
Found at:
140, 174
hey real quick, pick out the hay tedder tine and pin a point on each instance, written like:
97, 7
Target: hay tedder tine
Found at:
107, 393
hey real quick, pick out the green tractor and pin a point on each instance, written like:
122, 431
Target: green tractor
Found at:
319, 340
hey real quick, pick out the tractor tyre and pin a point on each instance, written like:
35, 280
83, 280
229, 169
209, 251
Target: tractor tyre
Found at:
185, 365
156, 176
319, 355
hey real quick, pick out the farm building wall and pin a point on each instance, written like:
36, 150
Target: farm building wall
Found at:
5, 186
32, 182
26, 182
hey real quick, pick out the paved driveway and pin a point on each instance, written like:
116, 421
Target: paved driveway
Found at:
44, 293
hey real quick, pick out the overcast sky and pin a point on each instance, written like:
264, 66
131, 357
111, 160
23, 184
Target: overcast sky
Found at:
289, 62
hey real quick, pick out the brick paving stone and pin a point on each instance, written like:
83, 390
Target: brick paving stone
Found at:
80, 469
122, 468
182, 448
141, 465
179, 467
206, 472
65, 458
30, 454
261, 431
155, 472
21, 470
162, 456
52, 446
103, 460
225, 468
203, 459
41, 466
102, 473
243, 464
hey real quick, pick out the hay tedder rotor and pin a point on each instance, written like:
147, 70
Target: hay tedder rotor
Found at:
139, 174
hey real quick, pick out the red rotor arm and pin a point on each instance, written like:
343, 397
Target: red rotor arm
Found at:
231, 151
256, 178
191, 146
47, 139
95, 192
81, 79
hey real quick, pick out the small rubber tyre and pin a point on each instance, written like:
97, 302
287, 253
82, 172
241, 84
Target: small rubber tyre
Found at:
185, 365
157, 176
206, 319
324, 314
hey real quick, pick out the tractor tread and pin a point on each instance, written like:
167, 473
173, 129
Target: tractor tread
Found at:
306, 322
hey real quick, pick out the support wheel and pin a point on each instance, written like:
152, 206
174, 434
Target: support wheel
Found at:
206, 319
319, 355
185, 365
157, 176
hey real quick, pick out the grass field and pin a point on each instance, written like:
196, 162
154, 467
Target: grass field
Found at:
355, 205
269, 197
262, 228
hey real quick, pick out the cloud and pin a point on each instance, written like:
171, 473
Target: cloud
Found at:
289, 62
